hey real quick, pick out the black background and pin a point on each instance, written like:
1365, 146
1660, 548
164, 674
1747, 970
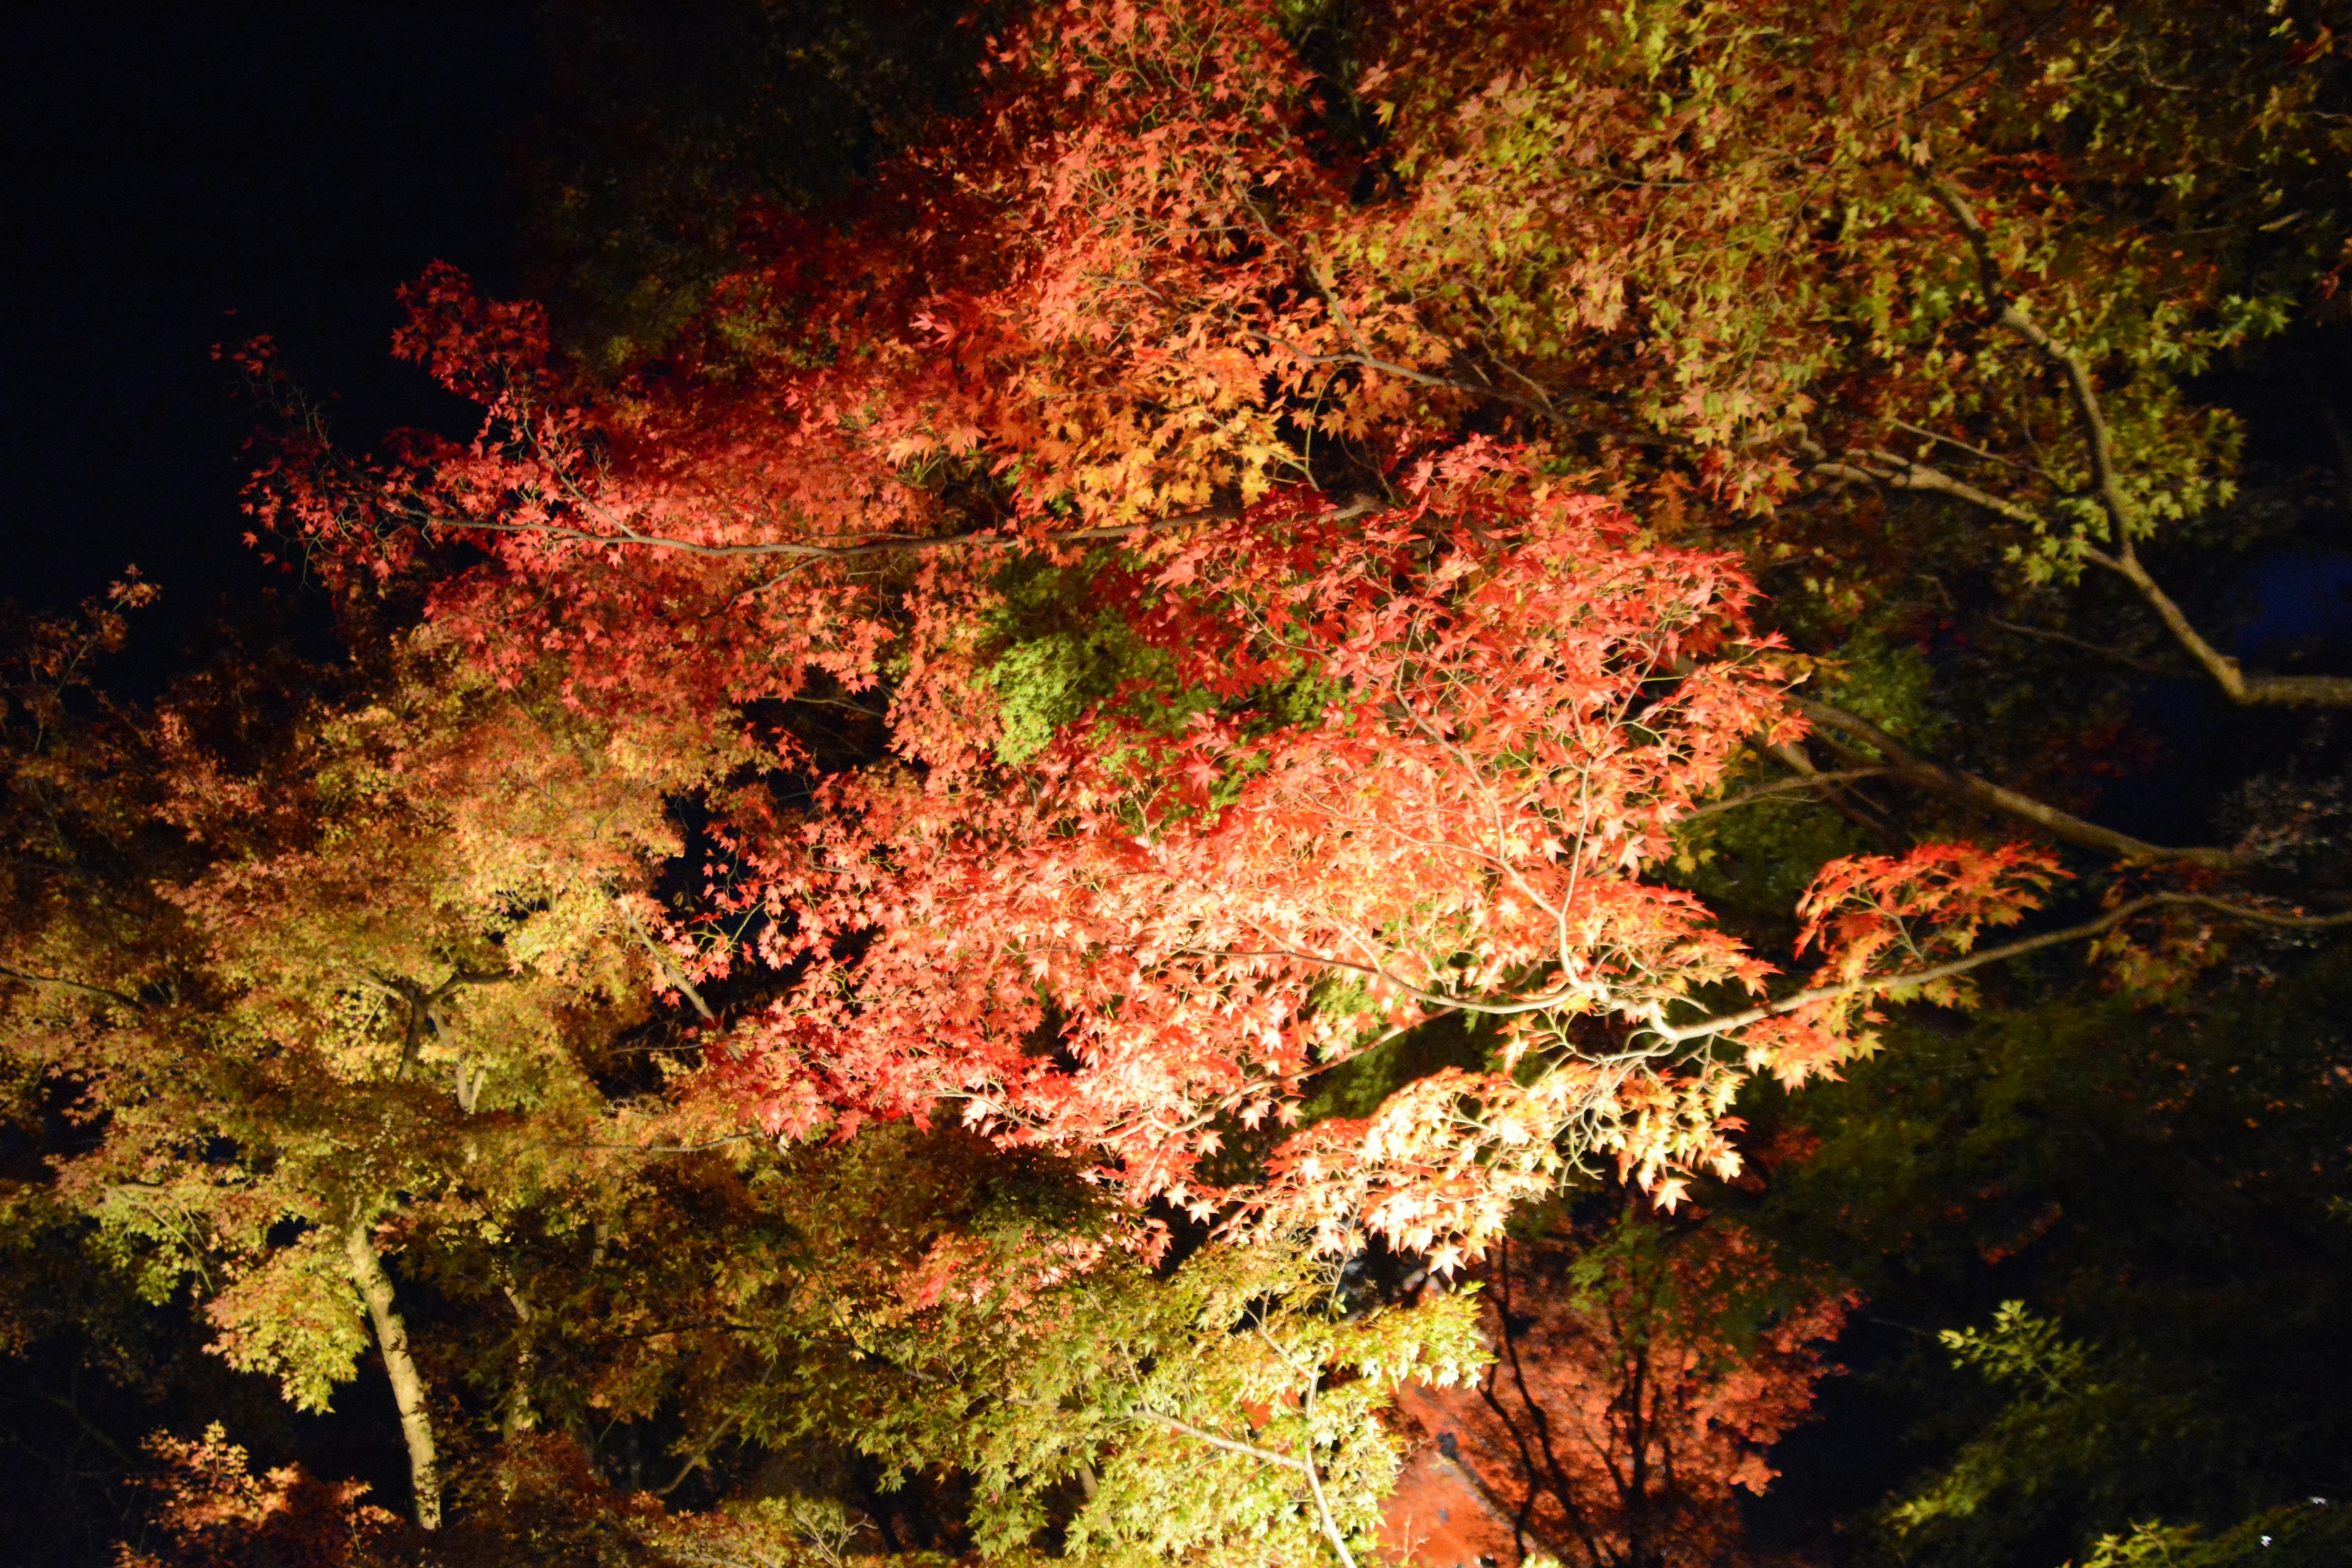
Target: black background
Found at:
166, 166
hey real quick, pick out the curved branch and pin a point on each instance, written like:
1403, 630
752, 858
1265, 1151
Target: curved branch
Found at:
2247, 690
2253, 691
63, 983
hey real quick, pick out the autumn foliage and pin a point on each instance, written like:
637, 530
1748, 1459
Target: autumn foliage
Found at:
212, 1512
823, 913
1210, 777
1641, 1373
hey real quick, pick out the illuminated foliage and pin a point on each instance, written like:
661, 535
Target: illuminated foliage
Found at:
1638, 1379
821, 922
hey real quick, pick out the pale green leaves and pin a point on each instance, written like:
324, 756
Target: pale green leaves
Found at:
294, 1316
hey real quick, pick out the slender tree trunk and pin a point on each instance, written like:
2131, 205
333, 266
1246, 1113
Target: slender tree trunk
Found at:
407, 1383
518, 1416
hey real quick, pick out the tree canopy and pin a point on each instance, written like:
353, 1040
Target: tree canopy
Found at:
1173, 753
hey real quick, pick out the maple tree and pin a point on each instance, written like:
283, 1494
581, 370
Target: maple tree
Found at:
1517, 731
317, 1060
1238, 551
1638, 1378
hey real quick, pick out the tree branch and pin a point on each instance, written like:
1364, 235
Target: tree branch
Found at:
1813, 779
1679, 1034
1911, 768
859, 549
1249, 1451
2247, 690
2112, 655
407, 1383
63, 983
1900, 473
1332, 1532
666, 962
2257, 690
423, 1014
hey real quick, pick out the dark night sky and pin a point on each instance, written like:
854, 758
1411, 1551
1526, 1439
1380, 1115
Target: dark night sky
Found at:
166, 165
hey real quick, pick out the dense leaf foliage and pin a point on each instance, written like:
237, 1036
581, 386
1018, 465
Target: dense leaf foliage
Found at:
961, 878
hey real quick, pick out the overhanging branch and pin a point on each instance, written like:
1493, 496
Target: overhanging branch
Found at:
1911, 768
622, 537
2106, 481
1680, 1034
61, 982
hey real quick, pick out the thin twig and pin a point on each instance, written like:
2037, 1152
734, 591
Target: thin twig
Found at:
1816, 779
60, 981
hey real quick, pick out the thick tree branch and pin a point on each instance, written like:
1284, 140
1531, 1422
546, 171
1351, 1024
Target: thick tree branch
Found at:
1895, 472
423, 1011
1911, 768
2248, 690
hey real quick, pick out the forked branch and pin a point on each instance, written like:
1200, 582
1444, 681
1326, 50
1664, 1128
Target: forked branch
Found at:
2106, 484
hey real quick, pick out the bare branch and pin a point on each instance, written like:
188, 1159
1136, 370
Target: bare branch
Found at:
59, 981
1538, 404
1900, 473
1953, 441
701, 1457
2010, 311
2248, 690
1911, 768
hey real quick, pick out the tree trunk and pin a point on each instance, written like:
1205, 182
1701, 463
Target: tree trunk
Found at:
407, 1383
